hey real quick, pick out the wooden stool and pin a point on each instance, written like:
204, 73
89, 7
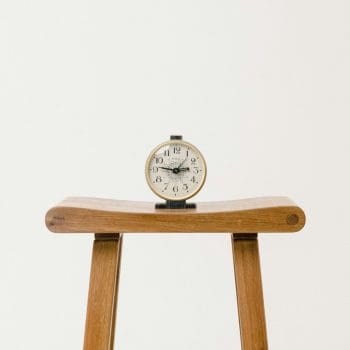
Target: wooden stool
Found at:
108, 219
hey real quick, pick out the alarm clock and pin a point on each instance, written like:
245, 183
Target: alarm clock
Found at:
175, 171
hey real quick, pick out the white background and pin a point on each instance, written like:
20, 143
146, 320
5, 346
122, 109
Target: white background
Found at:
87, 89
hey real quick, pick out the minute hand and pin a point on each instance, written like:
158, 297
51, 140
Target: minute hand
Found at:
163, 167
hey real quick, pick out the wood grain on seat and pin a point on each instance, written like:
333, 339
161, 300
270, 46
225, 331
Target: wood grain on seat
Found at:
95, 215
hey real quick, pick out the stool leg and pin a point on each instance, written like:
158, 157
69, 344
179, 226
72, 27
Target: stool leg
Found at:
103, 292
249, 291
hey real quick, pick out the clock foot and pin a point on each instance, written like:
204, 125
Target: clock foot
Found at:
175, 205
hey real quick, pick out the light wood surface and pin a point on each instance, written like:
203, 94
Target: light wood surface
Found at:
249, 292
95, 215
103, 293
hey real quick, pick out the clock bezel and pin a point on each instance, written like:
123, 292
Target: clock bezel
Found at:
177, 142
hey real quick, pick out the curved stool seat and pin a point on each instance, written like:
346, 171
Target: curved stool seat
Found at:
94, 215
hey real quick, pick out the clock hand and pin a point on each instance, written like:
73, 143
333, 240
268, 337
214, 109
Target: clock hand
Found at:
182, 163
162, 167
175, 170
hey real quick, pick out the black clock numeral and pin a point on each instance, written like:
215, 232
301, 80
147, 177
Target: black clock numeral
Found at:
166, 186
193, 160
177, 149
176, 189
155, 169
166, 153
159, 160
196, 170
193, 179
158, 179
185, 187
187, 153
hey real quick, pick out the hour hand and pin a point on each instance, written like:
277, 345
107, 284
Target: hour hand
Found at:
184, 169
163, 167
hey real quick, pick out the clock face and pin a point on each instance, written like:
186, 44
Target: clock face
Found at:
175, 170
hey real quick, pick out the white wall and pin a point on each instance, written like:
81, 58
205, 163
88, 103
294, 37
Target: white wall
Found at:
88, 88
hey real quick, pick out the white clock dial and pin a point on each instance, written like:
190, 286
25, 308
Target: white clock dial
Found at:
175, 170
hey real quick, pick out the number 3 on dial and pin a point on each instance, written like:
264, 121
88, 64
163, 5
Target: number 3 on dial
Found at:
175, 170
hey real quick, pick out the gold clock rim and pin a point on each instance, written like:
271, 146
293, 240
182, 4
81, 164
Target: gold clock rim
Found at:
155, 149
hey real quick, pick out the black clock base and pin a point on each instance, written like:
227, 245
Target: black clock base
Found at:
175, 205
